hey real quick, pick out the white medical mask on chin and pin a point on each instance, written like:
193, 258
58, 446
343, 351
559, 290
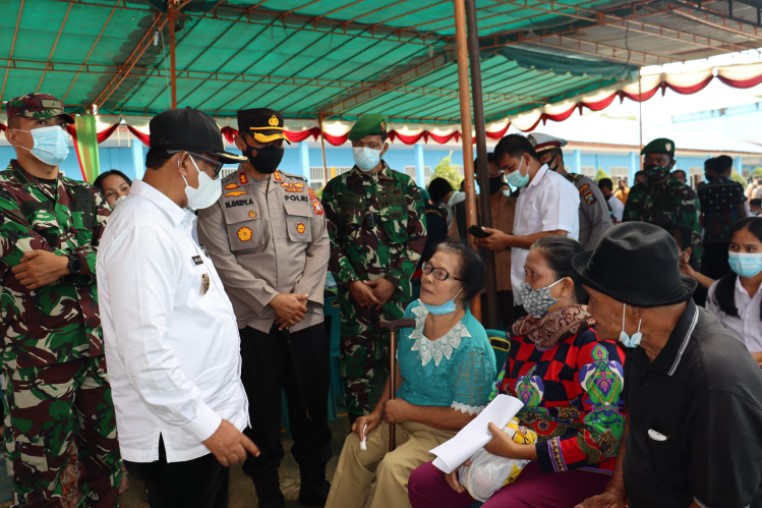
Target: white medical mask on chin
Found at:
627, 340
207, 193
366, 158
50, 144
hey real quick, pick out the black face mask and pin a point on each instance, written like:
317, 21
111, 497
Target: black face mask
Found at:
267, 159
495, 184
655, 173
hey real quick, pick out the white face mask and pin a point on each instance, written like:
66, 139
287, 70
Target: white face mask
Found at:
207, 193
366, 158
50, 144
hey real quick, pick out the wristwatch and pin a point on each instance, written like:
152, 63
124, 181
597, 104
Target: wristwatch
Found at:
75, 264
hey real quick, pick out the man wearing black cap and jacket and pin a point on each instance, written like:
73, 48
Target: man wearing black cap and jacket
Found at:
172, 347
267, 235
692, 391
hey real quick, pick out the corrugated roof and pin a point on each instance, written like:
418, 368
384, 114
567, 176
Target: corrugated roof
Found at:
337, 58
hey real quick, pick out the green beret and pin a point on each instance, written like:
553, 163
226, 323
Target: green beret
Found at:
660, 145
368, 125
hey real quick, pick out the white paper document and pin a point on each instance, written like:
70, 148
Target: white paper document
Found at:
476, 434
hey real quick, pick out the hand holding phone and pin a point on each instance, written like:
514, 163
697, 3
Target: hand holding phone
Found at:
478, 232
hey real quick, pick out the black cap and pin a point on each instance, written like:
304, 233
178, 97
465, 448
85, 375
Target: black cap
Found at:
190, 129
636, 263
265, 125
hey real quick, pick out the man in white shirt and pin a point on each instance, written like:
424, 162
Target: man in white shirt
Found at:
548, 205
172, 345
616, 207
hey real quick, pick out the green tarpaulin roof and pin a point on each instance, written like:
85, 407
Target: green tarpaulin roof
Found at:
338, 58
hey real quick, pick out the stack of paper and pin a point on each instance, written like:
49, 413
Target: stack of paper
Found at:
451, 454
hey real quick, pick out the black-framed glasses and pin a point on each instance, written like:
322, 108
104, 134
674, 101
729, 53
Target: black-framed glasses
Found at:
216, 165
438, 273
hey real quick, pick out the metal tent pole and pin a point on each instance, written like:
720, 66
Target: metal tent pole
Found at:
490, 312
172, 61
465, 122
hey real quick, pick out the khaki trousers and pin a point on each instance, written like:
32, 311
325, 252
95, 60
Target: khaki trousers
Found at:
357, 468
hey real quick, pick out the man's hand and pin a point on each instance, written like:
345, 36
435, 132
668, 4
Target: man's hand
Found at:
382, 290
39, 268
289, 308
229, 445
496, 241
363, 294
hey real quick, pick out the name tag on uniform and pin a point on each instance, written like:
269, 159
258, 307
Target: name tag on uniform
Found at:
197, 260
205, 283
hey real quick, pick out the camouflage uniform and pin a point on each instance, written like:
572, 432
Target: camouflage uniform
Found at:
56, 389
660, 204
377, 228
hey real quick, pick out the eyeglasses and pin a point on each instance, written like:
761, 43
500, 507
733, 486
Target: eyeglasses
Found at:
216, 165
438, 273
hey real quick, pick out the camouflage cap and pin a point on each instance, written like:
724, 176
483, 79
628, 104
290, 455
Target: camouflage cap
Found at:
265, 125
368, 125
660, 145
38, 106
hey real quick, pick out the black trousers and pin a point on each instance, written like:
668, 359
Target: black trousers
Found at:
201, 482
269, 365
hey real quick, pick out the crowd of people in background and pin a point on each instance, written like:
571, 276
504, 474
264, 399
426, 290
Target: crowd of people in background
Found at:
159, 325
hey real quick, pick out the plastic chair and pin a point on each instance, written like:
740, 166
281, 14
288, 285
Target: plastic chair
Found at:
500, 345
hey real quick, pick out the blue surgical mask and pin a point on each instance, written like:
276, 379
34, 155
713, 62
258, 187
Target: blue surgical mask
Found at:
50, 144
537, 302
624, 338
516, 179
445, 308
366, 158
745, 264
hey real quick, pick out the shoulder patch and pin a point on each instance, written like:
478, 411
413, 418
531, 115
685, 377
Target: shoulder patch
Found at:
586, 193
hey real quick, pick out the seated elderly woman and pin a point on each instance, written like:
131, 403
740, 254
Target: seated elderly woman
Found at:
446, 370
114, 185
571, 385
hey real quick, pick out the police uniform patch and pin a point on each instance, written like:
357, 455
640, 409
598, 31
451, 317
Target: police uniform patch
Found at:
235, 194
587, 194
300, 228
243, 178
252, 214
292, 186
244, 234
231, 186
317, 208
277, 176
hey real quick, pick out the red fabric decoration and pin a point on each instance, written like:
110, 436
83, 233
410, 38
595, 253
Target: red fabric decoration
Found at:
106, 133
741, 83
691, 89
601, 104
144, 138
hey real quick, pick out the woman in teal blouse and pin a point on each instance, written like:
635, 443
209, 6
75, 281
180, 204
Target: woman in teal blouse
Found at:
446, 371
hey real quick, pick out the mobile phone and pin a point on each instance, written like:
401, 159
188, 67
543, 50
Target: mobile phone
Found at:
478, 232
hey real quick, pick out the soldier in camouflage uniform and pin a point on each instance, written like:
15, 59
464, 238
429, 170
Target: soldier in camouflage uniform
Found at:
663, 199
377, 229
56, 389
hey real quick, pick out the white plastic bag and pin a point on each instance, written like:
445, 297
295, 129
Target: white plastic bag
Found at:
488, 473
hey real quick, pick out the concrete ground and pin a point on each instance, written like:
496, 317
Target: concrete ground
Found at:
242, 493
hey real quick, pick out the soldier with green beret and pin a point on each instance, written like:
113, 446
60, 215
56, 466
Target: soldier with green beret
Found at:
53, 365
664, 199
377, 229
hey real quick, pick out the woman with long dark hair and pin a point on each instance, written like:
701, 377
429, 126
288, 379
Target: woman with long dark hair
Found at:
736, 298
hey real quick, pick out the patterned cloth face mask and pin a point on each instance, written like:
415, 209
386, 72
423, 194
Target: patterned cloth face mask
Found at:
537, 302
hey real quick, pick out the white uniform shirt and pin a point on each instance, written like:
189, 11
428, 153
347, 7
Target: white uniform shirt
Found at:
617, 208
172, 344
747, 326
549, 202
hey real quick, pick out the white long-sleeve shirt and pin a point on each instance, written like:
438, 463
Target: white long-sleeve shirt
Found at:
172, 344
747, 325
